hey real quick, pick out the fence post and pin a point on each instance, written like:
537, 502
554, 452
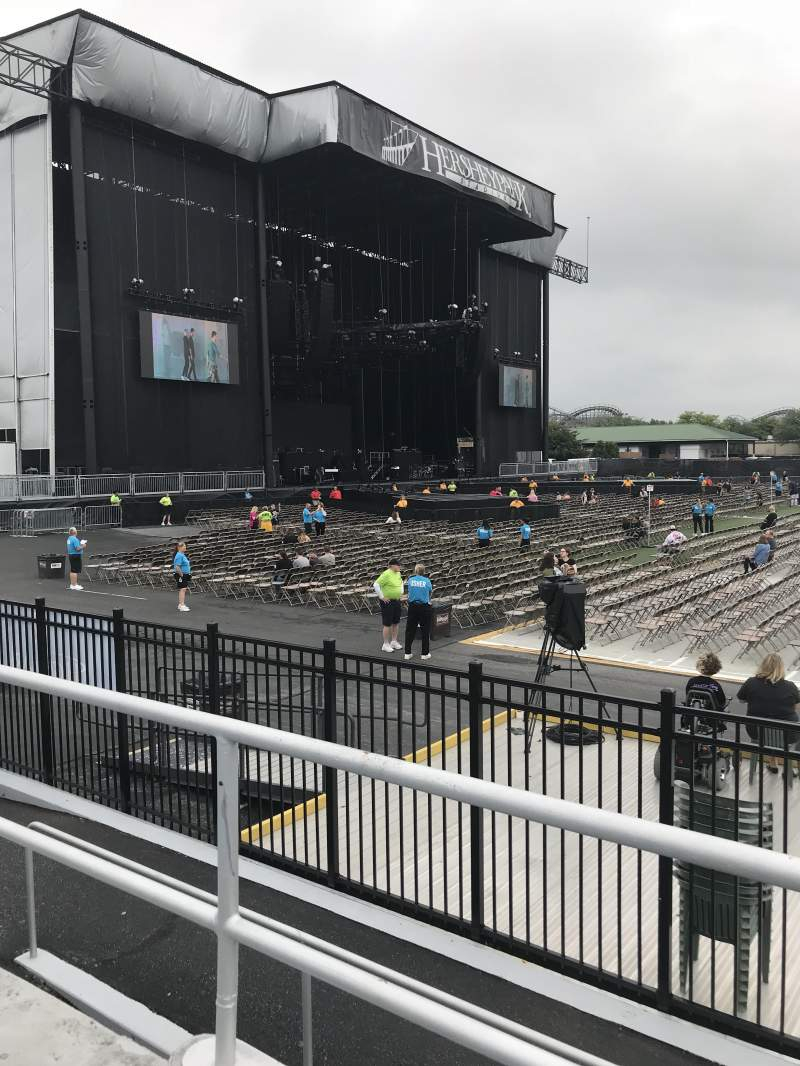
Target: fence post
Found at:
666, 802
331, 778
210, 702
45, 700
123, 736
475, 677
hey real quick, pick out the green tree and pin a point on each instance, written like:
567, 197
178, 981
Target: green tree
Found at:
563, 442
699, 418
604, 449
788, 428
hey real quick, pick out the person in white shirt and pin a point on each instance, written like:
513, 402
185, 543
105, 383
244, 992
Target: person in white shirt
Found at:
672, 542
300, 562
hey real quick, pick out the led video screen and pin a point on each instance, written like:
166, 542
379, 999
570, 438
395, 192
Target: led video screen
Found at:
177, 348
516, 386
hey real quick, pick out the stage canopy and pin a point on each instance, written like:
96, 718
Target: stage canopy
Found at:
115, 69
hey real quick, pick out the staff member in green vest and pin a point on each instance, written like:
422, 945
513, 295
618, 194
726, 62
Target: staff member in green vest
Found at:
265, 520
389, 590
116, 501
166, 510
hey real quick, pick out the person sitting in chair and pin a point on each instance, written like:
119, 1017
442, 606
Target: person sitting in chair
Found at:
673, 542
770, 520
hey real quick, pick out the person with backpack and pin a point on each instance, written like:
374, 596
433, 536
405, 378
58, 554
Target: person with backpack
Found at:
697, 517
709, 511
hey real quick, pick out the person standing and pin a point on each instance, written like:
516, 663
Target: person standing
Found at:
697, 517
253, 518
484, 534
166, 510
388, 588
709, 511
183, 574
187, 360
319, 517
192, 372
769, 695
75, 558
115, 500
525, 537
212, 358
265, 519
308, 524
420, 591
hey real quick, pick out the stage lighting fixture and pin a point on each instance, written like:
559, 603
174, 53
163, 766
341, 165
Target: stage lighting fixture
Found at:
327, 272
345, 338
137, 283
517, 355
372, 337
382, 313
188, 292
313, 276
452, 310
276, 267
495, 353
238, 301
485, 307
412, 334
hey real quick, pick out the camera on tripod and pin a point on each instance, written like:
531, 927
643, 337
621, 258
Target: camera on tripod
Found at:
564, 599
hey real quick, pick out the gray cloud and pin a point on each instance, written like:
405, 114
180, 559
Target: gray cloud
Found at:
675, 126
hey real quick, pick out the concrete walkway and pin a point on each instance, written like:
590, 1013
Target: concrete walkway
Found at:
36, 1029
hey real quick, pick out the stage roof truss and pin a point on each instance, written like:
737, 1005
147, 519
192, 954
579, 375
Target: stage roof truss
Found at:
28, 71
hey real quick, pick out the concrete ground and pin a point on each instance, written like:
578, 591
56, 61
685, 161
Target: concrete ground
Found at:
36, 1029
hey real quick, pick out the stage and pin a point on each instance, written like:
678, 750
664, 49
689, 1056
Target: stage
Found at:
447, 507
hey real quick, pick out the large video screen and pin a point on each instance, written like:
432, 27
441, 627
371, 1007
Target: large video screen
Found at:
175, 348
516, 386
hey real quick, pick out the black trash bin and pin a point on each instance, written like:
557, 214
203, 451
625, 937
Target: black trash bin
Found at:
231, 689
442, 618
50, 566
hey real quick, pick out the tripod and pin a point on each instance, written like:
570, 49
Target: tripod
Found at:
544, 666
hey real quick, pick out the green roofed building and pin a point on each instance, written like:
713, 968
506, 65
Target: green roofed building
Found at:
678, 440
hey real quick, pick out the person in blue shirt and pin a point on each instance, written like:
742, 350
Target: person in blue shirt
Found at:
697, 517
183, 574
709, 511
759, 557
308, 525
319, 518
75, 548
484, 534
525, 536
420, 591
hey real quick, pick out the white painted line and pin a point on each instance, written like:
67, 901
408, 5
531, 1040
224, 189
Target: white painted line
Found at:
116, 595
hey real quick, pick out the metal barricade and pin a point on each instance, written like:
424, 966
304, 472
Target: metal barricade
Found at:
204, 481
244, 479
156, 484
99, 515
28, 522
105, 484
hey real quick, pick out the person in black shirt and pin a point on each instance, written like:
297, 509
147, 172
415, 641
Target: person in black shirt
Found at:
770, 520
769, 695
704, 689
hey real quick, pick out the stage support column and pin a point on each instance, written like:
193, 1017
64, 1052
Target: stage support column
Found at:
263, 321
478, 457
545, 361
84, 293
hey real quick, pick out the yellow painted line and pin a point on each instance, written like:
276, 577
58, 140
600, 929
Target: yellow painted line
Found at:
600, 660
253, 834
428, 752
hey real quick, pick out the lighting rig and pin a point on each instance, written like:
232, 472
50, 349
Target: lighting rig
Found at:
184, 302
378, 335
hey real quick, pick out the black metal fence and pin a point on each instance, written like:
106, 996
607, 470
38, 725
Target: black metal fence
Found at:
698, 944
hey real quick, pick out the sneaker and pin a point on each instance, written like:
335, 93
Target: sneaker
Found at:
426, 656
396, 645
76, 588
387, 647
408, 655
183, 607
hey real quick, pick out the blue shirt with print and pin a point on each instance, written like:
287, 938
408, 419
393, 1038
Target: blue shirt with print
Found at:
182, 562
697, 508
319, 516
525, 531
74, 546
306, 515
710, 509
483, 534
420, 589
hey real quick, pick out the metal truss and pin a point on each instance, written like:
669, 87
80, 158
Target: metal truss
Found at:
28, 71
570, 270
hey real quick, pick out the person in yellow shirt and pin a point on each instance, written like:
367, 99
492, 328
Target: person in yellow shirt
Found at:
402, 503
426, 491
388, 588
516, 503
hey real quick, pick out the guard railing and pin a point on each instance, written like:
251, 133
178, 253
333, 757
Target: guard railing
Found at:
81, 486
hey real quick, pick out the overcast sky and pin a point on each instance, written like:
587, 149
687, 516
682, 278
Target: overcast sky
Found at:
674, 125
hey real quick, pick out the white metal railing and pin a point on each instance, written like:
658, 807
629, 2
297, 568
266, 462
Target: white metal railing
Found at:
244, 479
233, 927
156, 484
561, 466
34, 520
105, 484
204, 481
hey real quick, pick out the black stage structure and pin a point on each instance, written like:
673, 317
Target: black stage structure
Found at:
383, 285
